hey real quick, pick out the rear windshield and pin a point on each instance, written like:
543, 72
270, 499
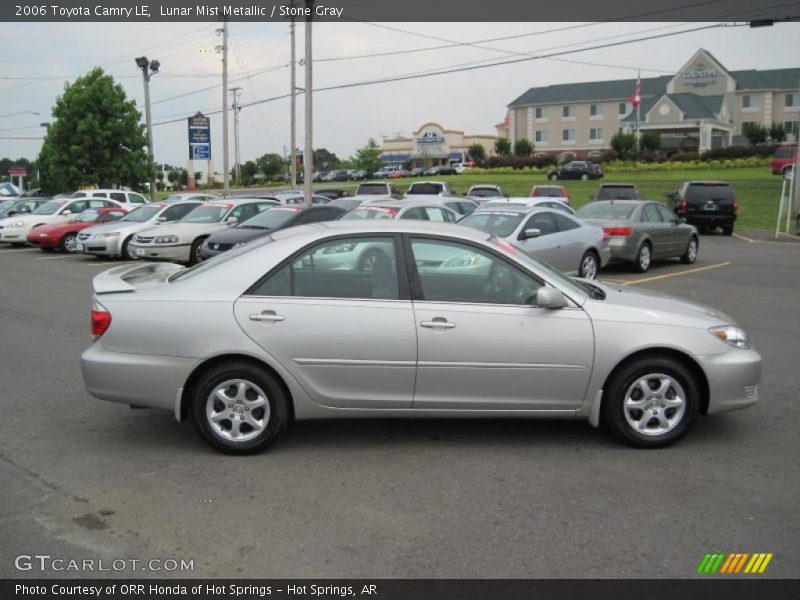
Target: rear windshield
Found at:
370, 212
709, 191
141, 214
617, 192
371, 189
219, 259
787, 152
501, 224
484, 193
547, 191
606, 210
272, 218
206, 214
425, 188
49, 208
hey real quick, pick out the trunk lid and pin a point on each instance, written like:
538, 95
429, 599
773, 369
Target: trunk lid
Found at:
129, 278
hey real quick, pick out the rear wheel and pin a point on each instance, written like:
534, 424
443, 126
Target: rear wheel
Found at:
194, 253
239, 408
644, 257
727, 230
651, 402
690, 255
589, 266
69, 243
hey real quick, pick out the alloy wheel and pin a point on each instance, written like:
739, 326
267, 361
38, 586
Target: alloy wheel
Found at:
589, 266
237, 410
70, 243
654, 404
644, 258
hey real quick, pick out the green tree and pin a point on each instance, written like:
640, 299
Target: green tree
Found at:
270, 165
523, 148
755, 133
777, 133
96, 138
368, 158
325, 160
624, 144
249, 172
650, 141
502, 147
476, 152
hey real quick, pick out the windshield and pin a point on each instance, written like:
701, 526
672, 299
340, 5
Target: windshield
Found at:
425, 188
606, 210
484, 193
616, 192
173, 198
371, 189
272, 218
6, 204
501, 224
49, 208
142, 214
88, 216
545, 191
370, 212
209, 213
219, 259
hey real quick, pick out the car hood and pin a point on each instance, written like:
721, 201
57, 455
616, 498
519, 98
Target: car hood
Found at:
187, 230
649, 306
34, 219
237, 235
58, 228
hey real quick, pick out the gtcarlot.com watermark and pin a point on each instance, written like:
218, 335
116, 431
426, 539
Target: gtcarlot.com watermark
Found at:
47, 562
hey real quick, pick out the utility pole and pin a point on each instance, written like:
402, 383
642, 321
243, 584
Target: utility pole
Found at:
149, 67
224, 50
308, 154
293, 126
237, 166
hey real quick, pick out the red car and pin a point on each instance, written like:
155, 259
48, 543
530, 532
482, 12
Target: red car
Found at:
397, 174
65, 235
784, 158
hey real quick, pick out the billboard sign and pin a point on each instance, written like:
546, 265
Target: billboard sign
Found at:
199, 137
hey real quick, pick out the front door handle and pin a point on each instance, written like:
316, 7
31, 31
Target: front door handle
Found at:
267, 315
437, 323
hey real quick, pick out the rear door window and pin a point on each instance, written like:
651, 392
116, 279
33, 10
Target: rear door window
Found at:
565, 223
118, 196
650, 214
415, 213
545, 222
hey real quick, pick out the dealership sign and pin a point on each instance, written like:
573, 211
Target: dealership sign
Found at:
700, 76
430, 137
199, 137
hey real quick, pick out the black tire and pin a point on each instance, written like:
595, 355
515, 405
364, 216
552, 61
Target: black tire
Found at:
125, 251
644, 257
276, 418
69, 243
623, 385
727, 229
587, 270
194, 253
47, 248
797, 226
690, 255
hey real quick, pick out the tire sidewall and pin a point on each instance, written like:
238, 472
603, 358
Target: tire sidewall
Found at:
276, 398
193, 251
639, 258
614, 398
591, 254
687, 257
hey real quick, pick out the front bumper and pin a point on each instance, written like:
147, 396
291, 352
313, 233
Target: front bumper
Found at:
43, 242
14, 236
733, 379
101, 247
173, 252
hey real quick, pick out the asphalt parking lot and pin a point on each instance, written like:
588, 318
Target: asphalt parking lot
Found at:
85, 479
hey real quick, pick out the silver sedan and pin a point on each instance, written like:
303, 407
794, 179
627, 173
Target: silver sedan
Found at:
450, 322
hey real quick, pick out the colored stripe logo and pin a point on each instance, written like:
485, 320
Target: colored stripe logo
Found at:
735, 563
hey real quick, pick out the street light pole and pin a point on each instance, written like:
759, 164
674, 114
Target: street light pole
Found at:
225, 164
308, 155
293, 119
148, 68
236, 162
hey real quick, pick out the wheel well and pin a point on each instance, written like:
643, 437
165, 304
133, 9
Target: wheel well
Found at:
191, 381
681, 357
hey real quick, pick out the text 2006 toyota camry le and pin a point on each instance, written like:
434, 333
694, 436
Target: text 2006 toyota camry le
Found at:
444, 321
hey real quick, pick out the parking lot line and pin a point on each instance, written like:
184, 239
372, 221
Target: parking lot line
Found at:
54, 257
745, 238
110, 264
16, 249
668, 275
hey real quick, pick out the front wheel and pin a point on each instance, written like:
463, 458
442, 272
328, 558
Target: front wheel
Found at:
589, 266
126, 252
690, 255
651, 402
644, 257
239, 408
727, 230
69, 243
194, 254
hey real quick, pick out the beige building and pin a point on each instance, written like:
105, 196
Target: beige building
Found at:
433, 145
702, 106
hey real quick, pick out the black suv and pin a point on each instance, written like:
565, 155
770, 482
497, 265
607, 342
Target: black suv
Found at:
706, 204
577, 169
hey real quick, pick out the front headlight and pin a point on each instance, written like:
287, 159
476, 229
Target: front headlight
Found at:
735, 336
16, 225
166, 239
108, 234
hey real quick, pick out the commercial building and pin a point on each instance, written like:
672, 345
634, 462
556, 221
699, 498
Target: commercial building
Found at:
702, 106
433, 145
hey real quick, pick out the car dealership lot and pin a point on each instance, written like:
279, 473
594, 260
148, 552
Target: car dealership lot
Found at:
87, 479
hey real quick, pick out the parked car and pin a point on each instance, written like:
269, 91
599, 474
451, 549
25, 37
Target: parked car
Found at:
440, 170
577, 169
124, 197
181, 241
482, 192
20, 206
416, 172
644, 365
264, 223
550, 191
384, 172
460, 168
15, 230
785, 158
375, 188
337, 175
423, 210
616, 191
429, 188
188, 197
315, 199
640, 232
357, 175
64, 236
547, 235
113, 239
332, 194
706, 204
398, 174
282, 195
543, 202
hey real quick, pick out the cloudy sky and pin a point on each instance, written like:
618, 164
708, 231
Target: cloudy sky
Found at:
43, 56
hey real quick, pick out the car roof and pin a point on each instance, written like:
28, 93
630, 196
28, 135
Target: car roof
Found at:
496, 208
707, 182
636, 202
383, 225
617, 185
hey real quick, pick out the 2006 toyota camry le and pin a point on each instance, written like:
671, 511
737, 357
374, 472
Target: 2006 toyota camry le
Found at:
442, 321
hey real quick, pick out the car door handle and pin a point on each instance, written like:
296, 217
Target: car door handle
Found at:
267, 315
437, 323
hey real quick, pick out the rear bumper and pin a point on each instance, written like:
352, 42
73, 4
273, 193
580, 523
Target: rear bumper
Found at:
711, 220
733, 379
622, 249
142, 380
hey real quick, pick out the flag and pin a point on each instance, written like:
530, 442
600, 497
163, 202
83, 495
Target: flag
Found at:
636, 98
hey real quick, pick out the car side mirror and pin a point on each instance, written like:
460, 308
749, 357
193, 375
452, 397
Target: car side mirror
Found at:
548, 297
161, 219
66, 212
530, 233
232, 220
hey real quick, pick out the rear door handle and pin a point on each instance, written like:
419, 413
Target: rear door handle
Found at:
267, 315
437, 323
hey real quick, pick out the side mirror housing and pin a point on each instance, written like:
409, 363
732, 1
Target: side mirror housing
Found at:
66, 212
161, 219
548, 297
232, 220
530, 233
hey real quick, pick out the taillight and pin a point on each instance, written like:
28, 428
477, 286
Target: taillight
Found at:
683, 204
101, 319
616, 231
735, 206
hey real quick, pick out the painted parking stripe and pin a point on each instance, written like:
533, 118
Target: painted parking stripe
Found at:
745, 238
110, 264
679, 273
54, 257
16, 249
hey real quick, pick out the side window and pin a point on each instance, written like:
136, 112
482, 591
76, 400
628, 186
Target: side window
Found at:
112, 215
102, 204
451, 216
136, 199
435, 214
262, 206
309, 216
545, 222
103, 195
118, 196
650, 214
80, 206
453, 272
243, 212
666, 215
364, 268
565, 223
466, 207
415, 213
178, 211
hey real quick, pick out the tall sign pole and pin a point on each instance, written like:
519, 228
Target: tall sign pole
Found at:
293, 125
148, 67
225, 164
308, 155
236, 161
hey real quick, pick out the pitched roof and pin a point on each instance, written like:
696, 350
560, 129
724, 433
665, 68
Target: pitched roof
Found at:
691, 105
775, 79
